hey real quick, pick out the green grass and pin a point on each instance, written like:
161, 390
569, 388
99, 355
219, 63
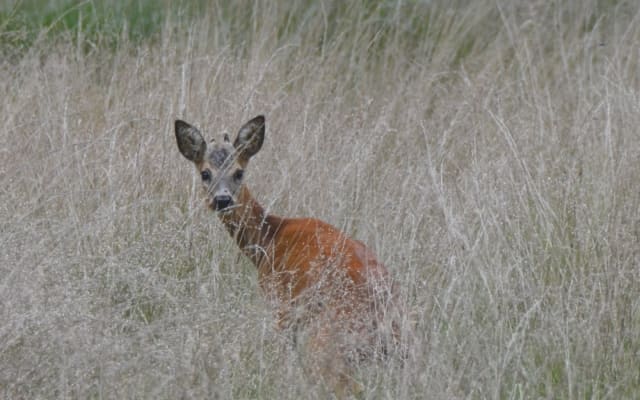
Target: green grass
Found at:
487, 151
92, 26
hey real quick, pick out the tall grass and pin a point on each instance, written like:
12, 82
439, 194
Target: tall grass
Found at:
488, 151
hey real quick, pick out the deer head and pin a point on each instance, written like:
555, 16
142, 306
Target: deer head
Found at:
221, 164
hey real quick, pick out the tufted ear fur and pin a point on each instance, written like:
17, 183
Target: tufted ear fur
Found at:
190, 142
250, 138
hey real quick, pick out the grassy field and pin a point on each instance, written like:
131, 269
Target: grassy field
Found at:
488, 151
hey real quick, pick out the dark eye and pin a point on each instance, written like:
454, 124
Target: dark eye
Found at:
238, 175
206, 175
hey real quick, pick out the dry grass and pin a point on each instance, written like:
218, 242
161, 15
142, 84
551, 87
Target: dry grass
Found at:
489, 153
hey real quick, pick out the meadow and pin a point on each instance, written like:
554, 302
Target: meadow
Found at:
488, 151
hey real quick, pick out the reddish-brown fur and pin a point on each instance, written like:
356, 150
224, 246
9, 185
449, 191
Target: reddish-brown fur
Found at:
294, 255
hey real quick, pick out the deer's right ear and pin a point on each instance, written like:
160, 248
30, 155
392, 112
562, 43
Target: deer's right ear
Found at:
190, 142
250, 138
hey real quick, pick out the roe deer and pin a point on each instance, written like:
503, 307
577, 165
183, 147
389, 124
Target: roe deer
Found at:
323, 282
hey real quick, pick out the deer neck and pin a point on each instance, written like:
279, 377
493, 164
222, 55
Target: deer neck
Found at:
250, 226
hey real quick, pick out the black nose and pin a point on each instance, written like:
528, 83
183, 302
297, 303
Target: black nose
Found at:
222, 202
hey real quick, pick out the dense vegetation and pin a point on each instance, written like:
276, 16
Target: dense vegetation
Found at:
488, 151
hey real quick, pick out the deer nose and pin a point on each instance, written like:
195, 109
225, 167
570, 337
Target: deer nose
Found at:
223, 201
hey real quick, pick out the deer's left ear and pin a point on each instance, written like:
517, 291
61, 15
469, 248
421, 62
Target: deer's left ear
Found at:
190, 142
250, 138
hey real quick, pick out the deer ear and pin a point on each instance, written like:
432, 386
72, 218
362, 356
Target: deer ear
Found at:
190, 142
250, 138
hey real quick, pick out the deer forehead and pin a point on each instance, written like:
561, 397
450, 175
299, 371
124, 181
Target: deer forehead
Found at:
221, 156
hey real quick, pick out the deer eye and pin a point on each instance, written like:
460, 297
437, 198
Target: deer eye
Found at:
237, 176
206, 175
